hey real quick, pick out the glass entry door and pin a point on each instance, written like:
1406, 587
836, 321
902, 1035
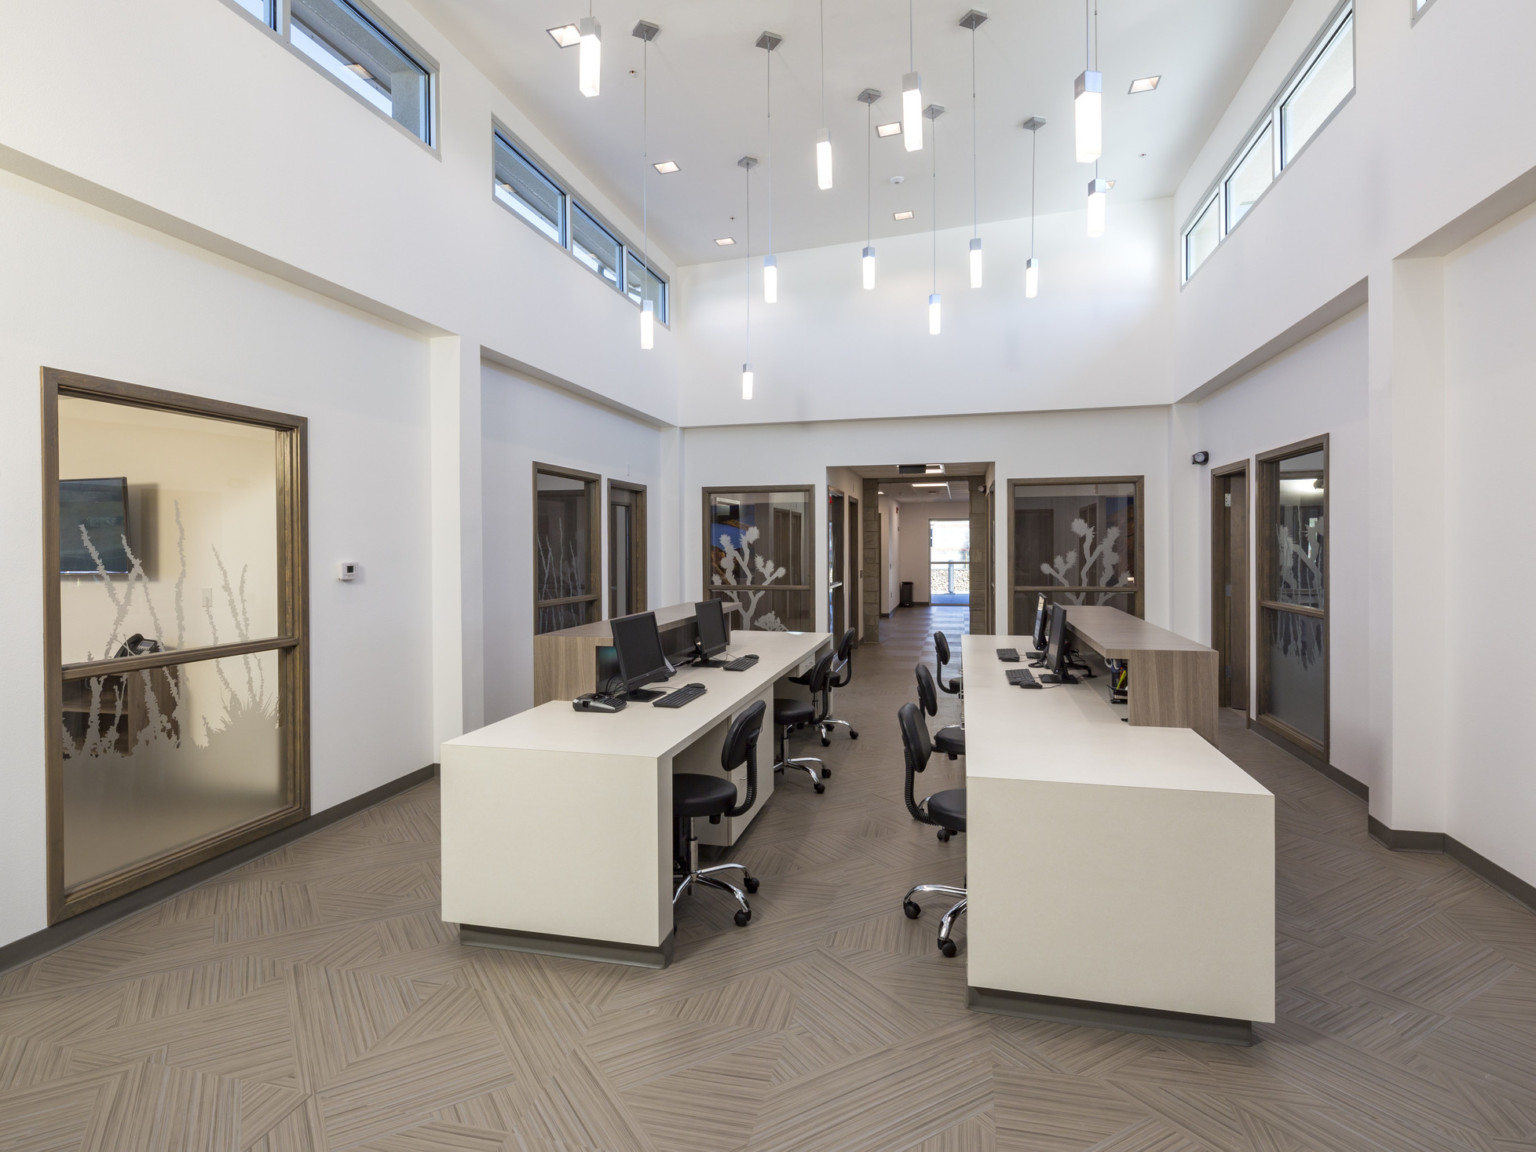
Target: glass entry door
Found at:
949, 561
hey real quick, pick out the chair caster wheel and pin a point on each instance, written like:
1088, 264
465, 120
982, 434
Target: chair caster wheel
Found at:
826, 773
820, 787
944, 835
753, 884
742, 917
912, 910
825, 743
852, 735
945, 946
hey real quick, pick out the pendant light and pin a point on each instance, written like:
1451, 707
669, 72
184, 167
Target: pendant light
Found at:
1032, 266
1098, 200
911, 95
646, 32
974, 20
933, 112
768, 41
868, 98
1088, 97
589, 63
746, 164
824, 137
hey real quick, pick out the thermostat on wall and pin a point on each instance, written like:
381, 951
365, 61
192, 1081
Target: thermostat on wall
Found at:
346, 570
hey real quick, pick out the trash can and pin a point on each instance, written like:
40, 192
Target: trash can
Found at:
906, 593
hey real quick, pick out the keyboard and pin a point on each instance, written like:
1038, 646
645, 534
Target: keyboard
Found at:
1008, 655
742, 663
685, 694
1022, 678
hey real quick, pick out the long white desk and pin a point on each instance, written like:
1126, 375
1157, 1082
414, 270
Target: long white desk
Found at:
1115, 874
557, 824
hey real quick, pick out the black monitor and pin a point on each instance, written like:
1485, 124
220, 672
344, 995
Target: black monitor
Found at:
637, 643
1057, 650
710, 616
1042, 623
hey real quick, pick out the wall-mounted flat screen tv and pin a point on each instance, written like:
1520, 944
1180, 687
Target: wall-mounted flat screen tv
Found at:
102, 506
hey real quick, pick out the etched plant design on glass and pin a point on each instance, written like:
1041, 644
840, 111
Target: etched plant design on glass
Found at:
1301, 582
734, 578
562, 573
1103, 556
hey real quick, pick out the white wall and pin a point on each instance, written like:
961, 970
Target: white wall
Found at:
88, 292
1487, 625
1315, 388
914, 540
1099, 333
523, 422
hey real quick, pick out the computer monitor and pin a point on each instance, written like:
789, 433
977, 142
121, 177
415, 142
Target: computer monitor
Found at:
1057, 650
710, 616
1042, 623
637, 642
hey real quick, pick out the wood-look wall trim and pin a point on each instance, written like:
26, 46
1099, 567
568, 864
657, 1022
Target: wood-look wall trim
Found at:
1276, 735
1402, 840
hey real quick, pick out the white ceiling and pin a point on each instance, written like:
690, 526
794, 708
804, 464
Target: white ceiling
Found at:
707, 104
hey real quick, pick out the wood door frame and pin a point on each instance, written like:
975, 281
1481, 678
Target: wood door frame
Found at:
1140, 595
640, 532
1267, 473
1220, 553
597, 577
292, 643
839, 544
853, 557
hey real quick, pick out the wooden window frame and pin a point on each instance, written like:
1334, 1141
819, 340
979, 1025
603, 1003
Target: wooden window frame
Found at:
291, 644
1139, 596
807, 544
1265, 495
639, 539
596, 578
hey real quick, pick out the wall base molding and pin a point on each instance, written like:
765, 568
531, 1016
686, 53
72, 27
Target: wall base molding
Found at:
1119, 1017
1404, 840
56, 936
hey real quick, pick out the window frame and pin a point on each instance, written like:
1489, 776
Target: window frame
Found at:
291, 645
1265, 498
809, 530
596, 577
639, 544
627, 251
1416, 10
1271, 118
1139, 596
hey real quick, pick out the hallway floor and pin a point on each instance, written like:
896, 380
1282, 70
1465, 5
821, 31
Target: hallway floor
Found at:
312, 999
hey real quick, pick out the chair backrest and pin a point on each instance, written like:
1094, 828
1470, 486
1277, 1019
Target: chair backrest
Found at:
843, 668
941, 646
741, 748
916, 749
927, 696
845, 646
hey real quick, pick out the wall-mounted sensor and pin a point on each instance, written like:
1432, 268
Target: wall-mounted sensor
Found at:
347, 570
1200, 458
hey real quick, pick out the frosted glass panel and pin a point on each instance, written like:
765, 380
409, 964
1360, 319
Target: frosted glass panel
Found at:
1300, 534
566, 555
1075, 536
1293, 645
157, 760
758, 551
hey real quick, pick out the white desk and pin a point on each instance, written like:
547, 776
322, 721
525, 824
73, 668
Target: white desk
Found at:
1115, 874
557, 824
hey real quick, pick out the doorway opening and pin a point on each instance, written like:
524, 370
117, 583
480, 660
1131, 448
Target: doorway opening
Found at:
949, 561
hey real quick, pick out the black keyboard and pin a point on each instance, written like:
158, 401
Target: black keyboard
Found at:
683, 695
1008, 655
1021, 678
742, 663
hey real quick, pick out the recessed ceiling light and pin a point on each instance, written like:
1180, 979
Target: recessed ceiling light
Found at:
725, 241
935, 484
567, 35
1145, 84
890, 129
901, 215
666, 167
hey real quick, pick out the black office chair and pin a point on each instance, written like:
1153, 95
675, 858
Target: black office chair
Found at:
842, 673
946, 809
941, 649
791, 714
694, 794
950, 739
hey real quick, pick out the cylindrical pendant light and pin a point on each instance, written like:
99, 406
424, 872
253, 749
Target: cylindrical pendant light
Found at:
746, 164
824, 137
974, 20
911, 95
1098, 198
933, 112
1088, 93
589, 64
646, 32
868, 98
1032, 266
768, 41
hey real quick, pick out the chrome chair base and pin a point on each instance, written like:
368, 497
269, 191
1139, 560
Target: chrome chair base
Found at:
710, 878
947, 924
826, 726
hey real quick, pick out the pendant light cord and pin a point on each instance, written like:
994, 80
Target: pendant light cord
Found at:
1034, 139
823, 51
975, 212
769, 71
748, 173
911, 41
869, 173
935, 207
645, 162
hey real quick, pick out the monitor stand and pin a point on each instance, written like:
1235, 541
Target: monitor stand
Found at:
1052, 678
710, 661
641, 695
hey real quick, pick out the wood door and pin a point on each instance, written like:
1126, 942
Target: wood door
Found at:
1230, 583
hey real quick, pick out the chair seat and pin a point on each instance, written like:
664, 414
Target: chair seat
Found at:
804, 678
792, 711
694, 794
950, 740
947, 809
